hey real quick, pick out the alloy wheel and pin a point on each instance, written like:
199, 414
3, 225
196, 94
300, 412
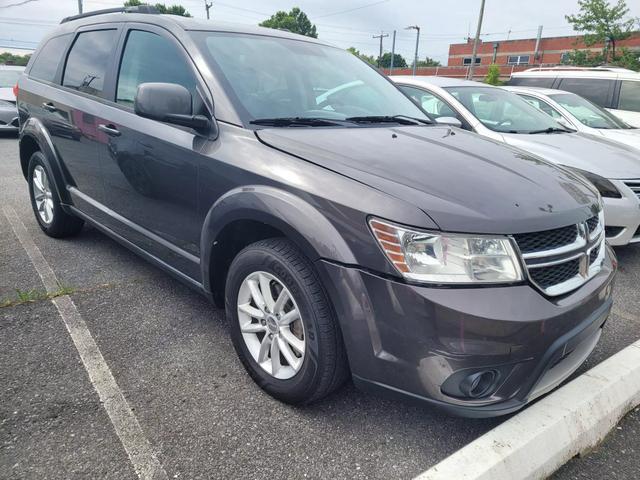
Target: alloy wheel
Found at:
42, 194
271, 325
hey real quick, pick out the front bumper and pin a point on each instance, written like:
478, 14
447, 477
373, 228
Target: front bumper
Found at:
622, 216
416, 340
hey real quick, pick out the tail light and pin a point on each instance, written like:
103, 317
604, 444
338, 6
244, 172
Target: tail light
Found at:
15, 90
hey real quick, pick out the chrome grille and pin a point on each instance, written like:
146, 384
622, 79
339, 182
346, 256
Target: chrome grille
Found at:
634, 185
561, 260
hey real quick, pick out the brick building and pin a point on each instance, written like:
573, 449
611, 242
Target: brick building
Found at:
523, 52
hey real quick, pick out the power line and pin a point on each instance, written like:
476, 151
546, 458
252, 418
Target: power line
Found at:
352, 9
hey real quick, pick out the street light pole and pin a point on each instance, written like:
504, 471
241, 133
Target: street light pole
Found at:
415, 57
207, 6
393, 51
476, 41
381, 36
80, 7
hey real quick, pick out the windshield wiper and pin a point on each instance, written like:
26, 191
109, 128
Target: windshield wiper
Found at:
551, 130
297, 122
401, 119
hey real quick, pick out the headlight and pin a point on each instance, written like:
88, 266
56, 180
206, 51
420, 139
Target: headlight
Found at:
447, 258
604, 186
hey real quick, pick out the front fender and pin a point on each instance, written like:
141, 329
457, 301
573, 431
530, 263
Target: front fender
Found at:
34, 130
300, 221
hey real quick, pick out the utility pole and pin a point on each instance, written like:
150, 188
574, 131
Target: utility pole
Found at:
381, 36
206, 5
80, 7
415, 57
536, 54
476, 41
393, 51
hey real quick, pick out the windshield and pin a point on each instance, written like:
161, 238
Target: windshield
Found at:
282, 78
503, 111
8, 78
587, 113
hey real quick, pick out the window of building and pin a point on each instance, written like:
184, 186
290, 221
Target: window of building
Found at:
151, 58
88, 61
518, 59
467, 60
594, 89
629, 96
46, 63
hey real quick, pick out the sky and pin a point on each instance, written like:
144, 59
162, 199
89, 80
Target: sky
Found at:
343, 23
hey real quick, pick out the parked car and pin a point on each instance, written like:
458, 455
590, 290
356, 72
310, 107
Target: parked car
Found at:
505, 117
9, 75
616, 89
345, 233
577, 113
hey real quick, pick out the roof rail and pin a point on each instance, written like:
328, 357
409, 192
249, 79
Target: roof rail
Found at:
601, 68
137, 9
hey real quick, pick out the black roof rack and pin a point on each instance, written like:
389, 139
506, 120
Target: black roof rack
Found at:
137, 9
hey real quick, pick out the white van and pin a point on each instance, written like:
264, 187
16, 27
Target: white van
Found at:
616, 89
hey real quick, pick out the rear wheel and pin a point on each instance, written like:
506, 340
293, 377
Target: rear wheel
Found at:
53, 220
282, 325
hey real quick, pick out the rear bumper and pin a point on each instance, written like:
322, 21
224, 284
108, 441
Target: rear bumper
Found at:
420, 342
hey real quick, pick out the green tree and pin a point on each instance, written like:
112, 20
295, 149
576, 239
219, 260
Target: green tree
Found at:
429, 62
493, 75
398, 61
367, 58
601, 22
295, 21
162, 8
11, 59
584, 58
628, 59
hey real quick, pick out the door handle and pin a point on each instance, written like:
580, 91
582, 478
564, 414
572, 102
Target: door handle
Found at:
49, 107
110, 130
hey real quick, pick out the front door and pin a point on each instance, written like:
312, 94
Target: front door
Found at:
151, 168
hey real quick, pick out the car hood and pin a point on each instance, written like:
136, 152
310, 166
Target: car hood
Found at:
7, 95
595, 154
631, 138
464, 182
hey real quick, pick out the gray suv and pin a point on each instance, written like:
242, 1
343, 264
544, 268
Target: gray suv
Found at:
344, 231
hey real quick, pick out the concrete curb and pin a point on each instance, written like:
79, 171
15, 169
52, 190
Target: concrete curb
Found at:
536, 442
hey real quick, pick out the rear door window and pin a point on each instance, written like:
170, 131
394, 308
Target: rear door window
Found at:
629, 96
594, 89
149, 57
88, 61
45, 65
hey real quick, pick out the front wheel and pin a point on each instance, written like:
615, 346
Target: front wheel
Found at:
282, 325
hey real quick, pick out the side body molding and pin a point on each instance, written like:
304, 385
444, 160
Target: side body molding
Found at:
298, 219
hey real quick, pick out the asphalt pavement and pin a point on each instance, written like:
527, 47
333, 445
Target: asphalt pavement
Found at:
169, 351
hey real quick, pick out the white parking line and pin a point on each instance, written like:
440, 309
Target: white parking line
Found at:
144, 460
539, 440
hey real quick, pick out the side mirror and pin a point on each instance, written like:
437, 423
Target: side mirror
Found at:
450, 121
168, 102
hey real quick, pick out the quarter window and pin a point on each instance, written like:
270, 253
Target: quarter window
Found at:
88, 61
629, 96
151, 58
593, 89
45, 66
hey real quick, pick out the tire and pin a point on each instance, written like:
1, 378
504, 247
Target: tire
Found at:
322, 368
53, 220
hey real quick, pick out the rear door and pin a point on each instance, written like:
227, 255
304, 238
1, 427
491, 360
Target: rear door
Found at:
628, 102
150, 167
72, 111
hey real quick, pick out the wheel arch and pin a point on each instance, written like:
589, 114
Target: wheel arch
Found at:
249, 214
35, 138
